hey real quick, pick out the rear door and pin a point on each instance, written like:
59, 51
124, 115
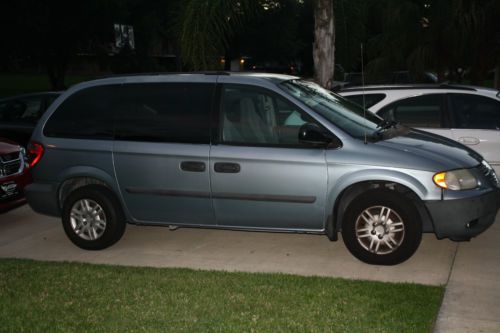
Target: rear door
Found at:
161, 151
477, 124
261, 176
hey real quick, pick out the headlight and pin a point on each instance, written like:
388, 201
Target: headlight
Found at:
456, 180
23, 154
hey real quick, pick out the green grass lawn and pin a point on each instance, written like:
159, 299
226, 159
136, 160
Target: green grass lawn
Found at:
46, 296
16, 84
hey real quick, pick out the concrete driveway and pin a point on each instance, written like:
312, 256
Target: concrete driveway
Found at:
24, 234
472, 299
471, 270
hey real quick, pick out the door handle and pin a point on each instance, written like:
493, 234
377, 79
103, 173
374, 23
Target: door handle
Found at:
227, 167
193, 166
468, 140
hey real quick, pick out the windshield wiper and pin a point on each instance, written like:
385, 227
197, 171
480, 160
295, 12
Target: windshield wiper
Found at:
386, 124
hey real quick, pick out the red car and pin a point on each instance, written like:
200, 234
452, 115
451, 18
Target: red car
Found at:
14, 175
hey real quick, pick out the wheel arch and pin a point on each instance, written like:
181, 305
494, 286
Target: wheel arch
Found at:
77, 177
348, 188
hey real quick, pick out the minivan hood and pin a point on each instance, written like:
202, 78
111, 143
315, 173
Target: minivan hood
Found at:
8, 147
439, 151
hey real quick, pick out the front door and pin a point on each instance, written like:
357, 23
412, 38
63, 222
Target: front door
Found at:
477, 125
261, 176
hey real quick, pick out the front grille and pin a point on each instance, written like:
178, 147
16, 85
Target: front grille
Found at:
489, 173
10, 164
10, 196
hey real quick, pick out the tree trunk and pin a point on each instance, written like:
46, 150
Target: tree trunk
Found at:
56, 69
324, 43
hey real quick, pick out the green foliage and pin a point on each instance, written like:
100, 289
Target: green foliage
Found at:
204, 27
273, 33
439, 35
66, 297
350, 31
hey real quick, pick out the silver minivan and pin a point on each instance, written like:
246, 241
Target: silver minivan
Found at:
255, 152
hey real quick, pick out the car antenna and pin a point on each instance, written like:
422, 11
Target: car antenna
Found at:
363, 85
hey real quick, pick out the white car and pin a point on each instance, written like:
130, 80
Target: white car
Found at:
470, 115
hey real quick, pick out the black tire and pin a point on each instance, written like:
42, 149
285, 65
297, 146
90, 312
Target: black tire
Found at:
114, 218
402, 210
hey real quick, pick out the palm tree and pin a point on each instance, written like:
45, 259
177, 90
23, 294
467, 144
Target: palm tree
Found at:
205, 27
324, 43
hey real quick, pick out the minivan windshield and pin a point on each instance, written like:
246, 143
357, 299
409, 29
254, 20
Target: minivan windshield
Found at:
347, 115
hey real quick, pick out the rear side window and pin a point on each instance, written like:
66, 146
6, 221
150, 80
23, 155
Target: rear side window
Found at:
87, 114
472, 111
421, 111
164, 112
154, 112
370, 99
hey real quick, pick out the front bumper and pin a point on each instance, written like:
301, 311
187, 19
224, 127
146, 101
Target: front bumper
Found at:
12, 190
462, 219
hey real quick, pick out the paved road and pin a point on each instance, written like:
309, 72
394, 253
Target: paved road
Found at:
472, 299
471, 302
24, 234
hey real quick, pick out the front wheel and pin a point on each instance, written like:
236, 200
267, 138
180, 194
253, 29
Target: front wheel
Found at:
382, 227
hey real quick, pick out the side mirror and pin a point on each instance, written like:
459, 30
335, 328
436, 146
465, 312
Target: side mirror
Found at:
312, 135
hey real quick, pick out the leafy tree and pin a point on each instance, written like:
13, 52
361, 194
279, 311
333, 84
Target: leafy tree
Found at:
206, 27
351, 30
273, 33
441, 35
52, 32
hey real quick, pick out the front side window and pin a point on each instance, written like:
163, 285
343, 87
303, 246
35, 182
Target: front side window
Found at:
475, 112
254, 116
25, 110
421, 111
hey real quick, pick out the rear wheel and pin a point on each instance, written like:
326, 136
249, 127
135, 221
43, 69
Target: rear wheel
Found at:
382, 227
92, 218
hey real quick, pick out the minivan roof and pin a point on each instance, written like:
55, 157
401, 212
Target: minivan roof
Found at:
270, 76
415, 86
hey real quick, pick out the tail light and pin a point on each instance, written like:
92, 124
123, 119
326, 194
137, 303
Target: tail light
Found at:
34, 152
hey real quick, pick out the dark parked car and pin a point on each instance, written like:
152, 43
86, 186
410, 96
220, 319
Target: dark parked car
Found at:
14, 175
19, 114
